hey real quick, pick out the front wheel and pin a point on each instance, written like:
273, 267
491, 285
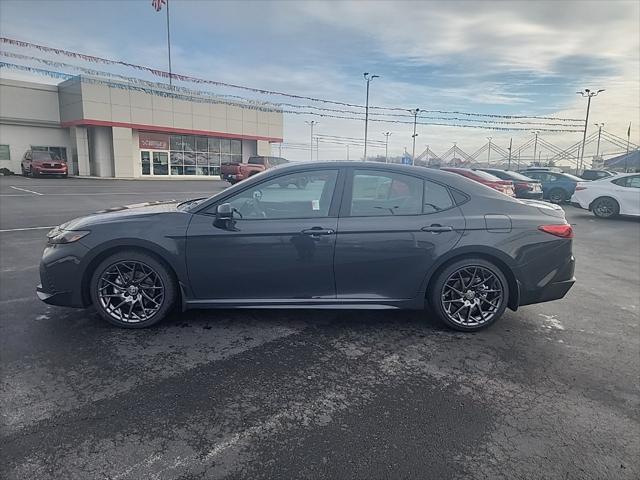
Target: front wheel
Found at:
132, 289
605, 207
469, 294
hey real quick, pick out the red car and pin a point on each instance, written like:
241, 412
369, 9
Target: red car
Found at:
36, 163
503, 186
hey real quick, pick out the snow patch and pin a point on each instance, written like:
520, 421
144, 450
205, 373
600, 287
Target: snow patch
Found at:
551, 322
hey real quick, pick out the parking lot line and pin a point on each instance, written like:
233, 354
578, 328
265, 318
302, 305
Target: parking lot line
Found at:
25, 190
23, 229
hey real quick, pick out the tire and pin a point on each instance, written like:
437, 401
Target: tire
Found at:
469, 312
605, 207
557, 196
111, 285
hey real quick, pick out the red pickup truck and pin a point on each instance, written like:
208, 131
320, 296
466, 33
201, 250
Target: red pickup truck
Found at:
235, 172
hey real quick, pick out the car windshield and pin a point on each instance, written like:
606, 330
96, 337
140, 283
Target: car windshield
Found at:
46, 156
484, 175
568, 176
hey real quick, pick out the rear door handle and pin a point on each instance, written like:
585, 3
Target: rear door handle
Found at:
436, 228
317, 231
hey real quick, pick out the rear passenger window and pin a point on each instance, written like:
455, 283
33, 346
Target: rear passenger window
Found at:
383, 193
436, 198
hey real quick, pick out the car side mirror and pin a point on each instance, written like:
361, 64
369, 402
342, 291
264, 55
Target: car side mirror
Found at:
224, 212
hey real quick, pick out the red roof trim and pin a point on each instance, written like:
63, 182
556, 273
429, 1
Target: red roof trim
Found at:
154, 128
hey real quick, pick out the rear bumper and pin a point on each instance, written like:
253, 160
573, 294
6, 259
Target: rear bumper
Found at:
552, 287
529, 195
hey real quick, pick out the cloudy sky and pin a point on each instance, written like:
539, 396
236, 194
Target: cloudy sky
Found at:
504, 58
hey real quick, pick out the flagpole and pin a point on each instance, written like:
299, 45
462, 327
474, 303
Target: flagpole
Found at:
626, 157
169, 45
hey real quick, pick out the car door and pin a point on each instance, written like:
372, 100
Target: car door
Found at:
279, 245
392, 227
627, 190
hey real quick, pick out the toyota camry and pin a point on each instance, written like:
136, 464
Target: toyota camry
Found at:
323, 235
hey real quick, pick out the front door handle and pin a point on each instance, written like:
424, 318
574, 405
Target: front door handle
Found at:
318, 231
437, 228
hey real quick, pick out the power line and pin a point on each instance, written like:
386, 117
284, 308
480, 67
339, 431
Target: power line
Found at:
187, 78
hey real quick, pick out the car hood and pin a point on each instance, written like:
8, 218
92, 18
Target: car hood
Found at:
123, 212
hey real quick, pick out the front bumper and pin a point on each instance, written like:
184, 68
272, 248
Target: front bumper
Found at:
61, 275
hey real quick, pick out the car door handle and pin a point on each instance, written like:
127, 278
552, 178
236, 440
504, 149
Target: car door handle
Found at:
317, 231
437, 228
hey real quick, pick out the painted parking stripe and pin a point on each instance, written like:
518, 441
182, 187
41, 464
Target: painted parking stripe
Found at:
23, 229
25, 190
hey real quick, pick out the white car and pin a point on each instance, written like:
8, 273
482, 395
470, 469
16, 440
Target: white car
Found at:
607, 197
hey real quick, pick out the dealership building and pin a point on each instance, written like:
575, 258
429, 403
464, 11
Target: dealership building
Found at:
122, 130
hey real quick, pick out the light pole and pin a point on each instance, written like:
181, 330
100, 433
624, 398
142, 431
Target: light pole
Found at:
599, 125
414, 112
489, 152
386, 147
535, 146
366, 111
587, 93
510, 145
311, 124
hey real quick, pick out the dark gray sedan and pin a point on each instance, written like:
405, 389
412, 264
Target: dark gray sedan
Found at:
320, 235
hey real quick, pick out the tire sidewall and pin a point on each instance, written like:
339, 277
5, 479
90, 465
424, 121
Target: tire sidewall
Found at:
560, 192
602, 199
435, 292
168, 280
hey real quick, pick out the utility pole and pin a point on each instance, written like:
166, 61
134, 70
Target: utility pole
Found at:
317, 149
311, 124
535, 146
599, 125
589, 94
414, 112
169, 46
510, 145
386, 147
489, 152
366, 111
626, 157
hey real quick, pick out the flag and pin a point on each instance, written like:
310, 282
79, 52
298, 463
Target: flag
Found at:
157, 4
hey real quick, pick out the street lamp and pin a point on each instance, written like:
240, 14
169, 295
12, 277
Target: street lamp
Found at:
368, 79
414, 112
386, 147
311, 124
535, 146
588, 94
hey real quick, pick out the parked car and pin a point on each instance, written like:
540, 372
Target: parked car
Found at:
523, 186
37, 162
236, 172
540, 169
556, 187
611, 196
361, 235
503, 186
596, 174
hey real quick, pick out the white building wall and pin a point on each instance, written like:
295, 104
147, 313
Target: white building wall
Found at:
101, 151
20, 138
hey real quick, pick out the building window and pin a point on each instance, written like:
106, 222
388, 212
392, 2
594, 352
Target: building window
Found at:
58, 153
4, 152
191, 155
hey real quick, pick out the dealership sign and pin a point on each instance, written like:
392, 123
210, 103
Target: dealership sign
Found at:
154, 141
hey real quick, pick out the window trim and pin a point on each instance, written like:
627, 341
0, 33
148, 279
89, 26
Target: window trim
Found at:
333, 206
345, 210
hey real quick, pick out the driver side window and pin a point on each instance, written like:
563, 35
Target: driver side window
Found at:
297, 195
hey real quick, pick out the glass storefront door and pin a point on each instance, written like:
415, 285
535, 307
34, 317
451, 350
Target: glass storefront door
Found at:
154, 163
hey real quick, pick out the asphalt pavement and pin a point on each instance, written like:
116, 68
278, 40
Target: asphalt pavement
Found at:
550, 391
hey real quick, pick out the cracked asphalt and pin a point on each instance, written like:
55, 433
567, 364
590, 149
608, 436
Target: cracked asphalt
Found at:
550, 391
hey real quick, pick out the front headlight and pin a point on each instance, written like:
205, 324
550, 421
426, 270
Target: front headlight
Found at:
58, 236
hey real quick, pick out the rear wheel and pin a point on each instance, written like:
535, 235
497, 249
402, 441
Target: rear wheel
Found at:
469, 294
131, 289
557, 195
605, 207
